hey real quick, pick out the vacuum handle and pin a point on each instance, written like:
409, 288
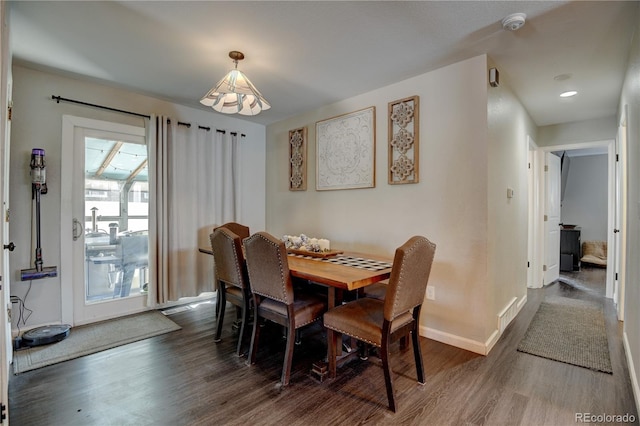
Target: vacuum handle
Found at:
77, 229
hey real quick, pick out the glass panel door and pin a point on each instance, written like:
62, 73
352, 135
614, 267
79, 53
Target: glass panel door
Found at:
104, 220
116, 206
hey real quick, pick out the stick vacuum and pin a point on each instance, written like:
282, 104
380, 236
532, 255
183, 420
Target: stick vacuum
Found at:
38, 187
50, 333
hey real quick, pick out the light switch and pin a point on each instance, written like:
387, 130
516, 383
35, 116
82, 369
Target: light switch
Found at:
509, 192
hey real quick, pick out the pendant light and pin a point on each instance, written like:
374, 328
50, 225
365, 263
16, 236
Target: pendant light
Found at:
235, 94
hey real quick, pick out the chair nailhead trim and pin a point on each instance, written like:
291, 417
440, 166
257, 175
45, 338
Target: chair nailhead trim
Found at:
284, 289
400, 280
354, 336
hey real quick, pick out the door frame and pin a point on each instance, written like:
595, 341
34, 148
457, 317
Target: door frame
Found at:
6, 82
620, 177
67, 271
534, 265
609, 144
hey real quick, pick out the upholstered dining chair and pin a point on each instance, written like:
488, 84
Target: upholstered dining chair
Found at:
274, 297
380, 322
377, 290
241, 231
232, 279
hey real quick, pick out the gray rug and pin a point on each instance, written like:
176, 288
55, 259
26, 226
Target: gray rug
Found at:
570, 331
92, 338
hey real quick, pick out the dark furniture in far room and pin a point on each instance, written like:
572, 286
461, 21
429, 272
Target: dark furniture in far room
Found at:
570, 249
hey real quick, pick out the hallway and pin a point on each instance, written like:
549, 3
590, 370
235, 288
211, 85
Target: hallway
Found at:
589, 282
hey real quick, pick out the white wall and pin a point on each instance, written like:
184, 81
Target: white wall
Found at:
577, 132
450, 204
630, 101
37, 122
585, 200
509, 125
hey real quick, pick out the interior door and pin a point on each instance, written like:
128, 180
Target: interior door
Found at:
108, 195
6, 352
531, 200
616, 230
619, 236
552, 218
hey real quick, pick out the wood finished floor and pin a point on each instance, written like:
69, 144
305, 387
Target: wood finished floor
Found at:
184, 378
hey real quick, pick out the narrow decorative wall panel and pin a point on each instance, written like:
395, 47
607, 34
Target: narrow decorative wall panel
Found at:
403, 140
298, 159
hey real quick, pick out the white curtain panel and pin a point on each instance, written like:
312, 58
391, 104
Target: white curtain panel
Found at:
193, 188
225, 177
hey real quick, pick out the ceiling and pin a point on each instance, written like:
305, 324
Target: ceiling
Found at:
306, 54
115, 160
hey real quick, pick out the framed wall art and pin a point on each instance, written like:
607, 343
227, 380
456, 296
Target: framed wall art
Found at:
298, 159
403, 140
346, 151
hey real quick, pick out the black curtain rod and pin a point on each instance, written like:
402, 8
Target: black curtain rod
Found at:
188, 125
231, 133
180, 123
59, 98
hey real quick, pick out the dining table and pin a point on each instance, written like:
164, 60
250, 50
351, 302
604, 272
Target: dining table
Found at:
338, 271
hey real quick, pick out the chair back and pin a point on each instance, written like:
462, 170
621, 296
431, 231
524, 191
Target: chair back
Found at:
228, 258
238, 229
409, 276
268, 267
135, 248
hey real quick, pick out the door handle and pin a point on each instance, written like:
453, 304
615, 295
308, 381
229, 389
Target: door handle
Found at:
10, 246
77, 229
615, 231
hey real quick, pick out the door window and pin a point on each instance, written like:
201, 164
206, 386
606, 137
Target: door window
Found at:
116, 213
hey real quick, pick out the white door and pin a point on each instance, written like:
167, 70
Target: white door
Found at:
6, 349
552, 218
106, 189
6, 352
616, 230
531, 229
619, 236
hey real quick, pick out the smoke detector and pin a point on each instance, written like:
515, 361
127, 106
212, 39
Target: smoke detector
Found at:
514, 22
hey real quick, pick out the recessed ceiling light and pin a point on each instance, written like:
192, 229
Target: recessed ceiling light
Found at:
568, 94
562, 77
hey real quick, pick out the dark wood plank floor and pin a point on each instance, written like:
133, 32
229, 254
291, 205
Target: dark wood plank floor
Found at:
184, 378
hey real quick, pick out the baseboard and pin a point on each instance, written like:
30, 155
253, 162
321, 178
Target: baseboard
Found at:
187, 300
453, 340
468, 344
522, 302
632, 371
507, 315
491, 341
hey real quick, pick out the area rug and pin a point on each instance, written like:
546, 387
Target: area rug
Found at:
92, 338
570, 331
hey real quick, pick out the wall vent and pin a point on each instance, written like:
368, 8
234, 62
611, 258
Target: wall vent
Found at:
507, 315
